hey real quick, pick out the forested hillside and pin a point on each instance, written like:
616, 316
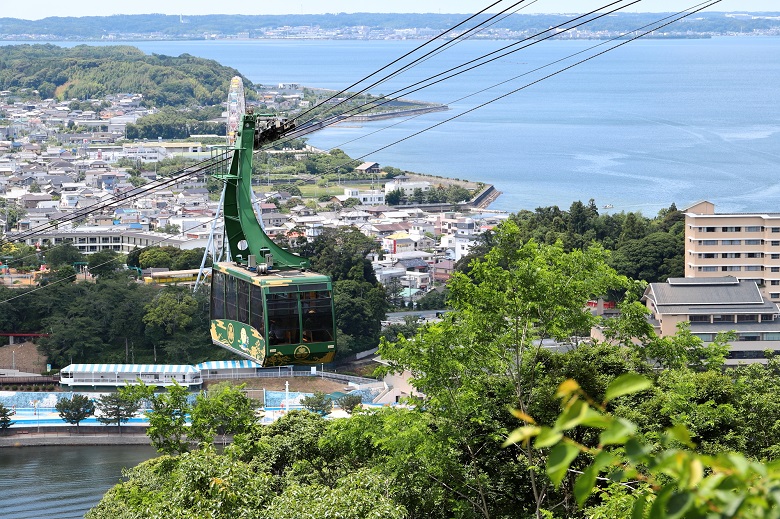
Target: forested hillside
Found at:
85, 72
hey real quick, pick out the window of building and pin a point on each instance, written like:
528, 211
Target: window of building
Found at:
774, 269
709, 242
775, 229
723, 318
753, 228
751, 318
708, 269
732, 229
774, 295
775, 243
708, 229
748, 337
731, 242
765, 318
706, 337
753, 242
708, 255
699, 318
749, 354
754, 268
730, 255
731, 268
772, 336
754, 254
775, 256
775, 282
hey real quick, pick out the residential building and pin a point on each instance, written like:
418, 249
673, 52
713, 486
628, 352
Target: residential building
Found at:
743, 245
717, 304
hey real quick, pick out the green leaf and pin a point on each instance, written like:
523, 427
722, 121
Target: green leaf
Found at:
617, 433
559, 460
584, 484
521, 434
658, 509
547, 438
573, 416
681, 433
636, 451
638, 510
626, 384
678, 504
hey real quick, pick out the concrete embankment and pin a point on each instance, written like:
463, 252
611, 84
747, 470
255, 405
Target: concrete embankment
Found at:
30, 437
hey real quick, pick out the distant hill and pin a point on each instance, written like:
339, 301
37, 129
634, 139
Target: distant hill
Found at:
172, 27
85, 72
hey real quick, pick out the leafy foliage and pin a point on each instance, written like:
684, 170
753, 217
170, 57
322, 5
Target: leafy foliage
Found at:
643, 248
116, 408
5, 418
75, 409
676, 482
318, 403
349, 402
84, 72
222, 410
168, 420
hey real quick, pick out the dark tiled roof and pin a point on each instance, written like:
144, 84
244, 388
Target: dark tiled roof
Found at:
700, 293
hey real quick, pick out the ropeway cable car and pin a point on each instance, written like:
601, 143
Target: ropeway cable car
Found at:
265, 304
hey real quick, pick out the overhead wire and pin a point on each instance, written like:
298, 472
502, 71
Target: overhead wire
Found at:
194, 169
605, 42
189, 171
441, 35
75, 276
459, 37
679, 16
398, 94
667, 21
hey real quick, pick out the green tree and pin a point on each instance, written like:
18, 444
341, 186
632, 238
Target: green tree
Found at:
394, 197
169, 228
103, 263
222, 410
116, 408
5, 418
349, 402
168, 420
171, 310
318, 403
512, 300
65, 254
75, 409
156, 257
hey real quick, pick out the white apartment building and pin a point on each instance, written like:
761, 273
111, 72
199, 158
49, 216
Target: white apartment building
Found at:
743, 245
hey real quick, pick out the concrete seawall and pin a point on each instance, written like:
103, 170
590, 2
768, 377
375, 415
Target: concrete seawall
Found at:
30, 437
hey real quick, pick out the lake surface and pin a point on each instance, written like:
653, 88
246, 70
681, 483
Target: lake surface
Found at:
651, 123
62, 482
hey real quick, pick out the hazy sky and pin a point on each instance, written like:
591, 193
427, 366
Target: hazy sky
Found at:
44, 8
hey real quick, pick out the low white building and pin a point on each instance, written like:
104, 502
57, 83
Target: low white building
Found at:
118, 375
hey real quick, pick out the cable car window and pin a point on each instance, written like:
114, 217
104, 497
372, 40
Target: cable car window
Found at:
243, 301
256, 308
218, 295
230, 298
317, 316
283, 319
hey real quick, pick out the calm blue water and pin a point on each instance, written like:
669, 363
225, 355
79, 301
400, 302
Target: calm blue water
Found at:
651, 123
62, 482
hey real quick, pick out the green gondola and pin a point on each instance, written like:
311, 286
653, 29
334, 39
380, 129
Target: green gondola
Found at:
265, 304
